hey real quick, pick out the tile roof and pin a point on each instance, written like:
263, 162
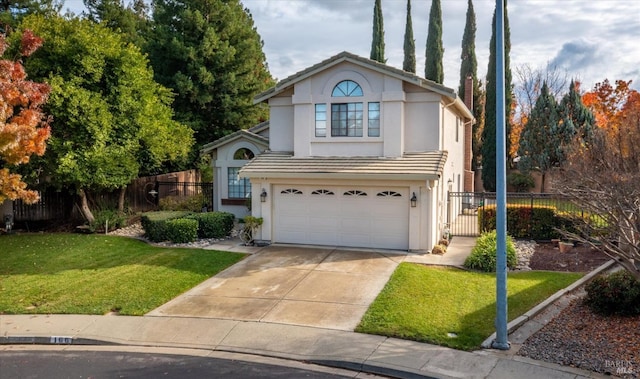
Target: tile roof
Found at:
371, 64
411, 166
208, 148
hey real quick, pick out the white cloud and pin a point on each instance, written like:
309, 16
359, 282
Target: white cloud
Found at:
593, 39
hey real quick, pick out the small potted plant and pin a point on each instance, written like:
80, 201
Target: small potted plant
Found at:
565, 246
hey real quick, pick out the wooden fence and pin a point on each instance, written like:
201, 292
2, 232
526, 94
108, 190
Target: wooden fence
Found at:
142, 195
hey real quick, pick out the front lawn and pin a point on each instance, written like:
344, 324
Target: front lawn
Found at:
452, 307
96, 274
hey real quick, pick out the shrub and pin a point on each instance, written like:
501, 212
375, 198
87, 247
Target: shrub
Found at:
154, 224
614, 294
181, 230
523, 221
214, 224
483, 255
110, 218
520, 182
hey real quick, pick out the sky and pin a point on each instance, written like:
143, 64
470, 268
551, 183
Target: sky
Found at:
589, 40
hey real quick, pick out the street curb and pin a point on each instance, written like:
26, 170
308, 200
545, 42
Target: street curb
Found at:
51, 340
521, 320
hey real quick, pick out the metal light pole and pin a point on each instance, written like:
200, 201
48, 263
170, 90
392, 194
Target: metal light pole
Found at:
501, 341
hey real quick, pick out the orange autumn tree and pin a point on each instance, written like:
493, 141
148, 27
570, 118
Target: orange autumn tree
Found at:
609, 104
24, 129
613, 108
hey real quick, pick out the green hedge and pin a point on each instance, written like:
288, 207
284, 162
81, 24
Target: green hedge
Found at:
523, 221
181, 230
214, 224
208, 225
154, 224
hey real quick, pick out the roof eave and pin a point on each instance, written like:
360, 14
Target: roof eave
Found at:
326, 175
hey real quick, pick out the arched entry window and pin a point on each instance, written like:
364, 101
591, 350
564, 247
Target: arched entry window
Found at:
243, 154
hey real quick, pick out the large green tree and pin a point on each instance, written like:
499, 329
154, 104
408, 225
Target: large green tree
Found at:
111, 120
131, 20
469, 68
210, 54
488, 148
409, 62
542, 140
433, 69
377, 41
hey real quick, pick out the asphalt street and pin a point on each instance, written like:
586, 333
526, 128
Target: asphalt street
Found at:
32, 362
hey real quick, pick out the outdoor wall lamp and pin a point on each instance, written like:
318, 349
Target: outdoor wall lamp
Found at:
153, 193
414, 200
263, 196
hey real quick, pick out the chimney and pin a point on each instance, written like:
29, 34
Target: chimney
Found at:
468, 137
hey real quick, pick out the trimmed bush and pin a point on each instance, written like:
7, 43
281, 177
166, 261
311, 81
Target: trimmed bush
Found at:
181, 230
523, 221
614, 294
154, 224
214, 224
484, 254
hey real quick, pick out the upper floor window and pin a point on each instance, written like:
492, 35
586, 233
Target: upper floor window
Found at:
346, 120
347, 88
374, 120
321, 120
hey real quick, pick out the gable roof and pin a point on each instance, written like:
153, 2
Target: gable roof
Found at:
249, 134
345, 56
411, 166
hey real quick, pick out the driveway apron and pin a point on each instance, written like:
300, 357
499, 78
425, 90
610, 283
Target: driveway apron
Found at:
320, 287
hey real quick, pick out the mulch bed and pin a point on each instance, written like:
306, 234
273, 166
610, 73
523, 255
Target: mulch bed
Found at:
577, 337
581, 258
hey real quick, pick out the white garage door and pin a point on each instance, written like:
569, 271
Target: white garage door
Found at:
375, 217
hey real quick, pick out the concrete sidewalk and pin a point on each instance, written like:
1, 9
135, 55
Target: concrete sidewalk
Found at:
354, 351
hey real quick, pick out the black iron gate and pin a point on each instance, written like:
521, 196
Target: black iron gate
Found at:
465, 219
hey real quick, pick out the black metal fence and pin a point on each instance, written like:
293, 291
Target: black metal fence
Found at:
464, 219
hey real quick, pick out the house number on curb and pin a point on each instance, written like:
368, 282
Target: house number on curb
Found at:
61, 340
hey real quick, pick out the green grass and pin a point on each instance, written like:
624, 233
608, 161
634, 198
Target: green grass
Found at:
95, 274
427, 303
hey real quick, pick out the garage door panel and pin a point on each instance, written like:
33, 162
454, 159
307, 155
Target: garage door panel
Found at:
327, 216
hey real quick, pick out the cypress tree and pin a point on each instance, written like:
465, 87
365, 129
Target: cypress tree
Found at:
469, 67
489, 131
409, 63
433, 69
377, 43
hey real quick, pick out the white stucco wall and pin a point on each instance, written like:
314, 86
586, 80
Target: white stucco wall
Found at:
422, 122
281, 123
224, 160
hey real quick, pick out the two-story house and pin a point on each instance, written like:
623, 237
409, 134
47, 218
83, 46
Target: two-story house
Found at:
359, 154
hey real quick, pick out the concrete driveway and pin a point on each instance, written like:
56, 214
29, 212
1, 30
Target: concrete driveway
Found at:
320, 287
